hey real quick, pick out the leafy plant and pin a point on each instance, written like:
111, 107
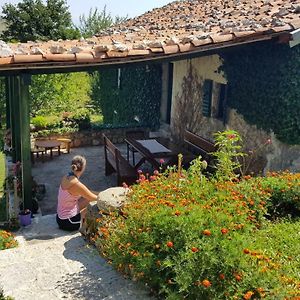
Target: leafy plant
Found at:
266, 94
7, 240
129, 96
206, 238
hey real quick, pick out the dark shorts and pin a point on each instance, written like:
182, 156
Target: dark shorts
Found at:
70, 224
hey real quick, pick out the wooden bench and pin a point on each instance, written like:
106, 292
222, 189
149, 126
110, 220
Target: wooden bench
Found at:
200, 146
115, 162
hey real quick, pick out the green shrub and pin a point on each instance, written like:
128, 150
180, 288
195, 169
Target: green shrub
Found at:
39, 122
201, 238
81, 118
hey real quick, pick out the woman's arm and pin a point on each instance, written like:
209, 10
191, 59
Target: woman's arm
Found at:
80, 189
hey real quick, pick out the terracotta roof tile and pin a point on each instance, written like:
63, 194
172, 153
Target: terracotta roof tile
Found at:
180, 26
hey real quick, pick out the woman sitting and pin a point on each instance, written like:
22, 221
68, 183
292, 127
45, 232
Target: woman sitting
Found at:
73, 197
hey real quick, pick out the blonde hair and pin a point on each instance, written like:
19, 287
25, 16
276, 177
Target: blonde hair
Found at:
78, 163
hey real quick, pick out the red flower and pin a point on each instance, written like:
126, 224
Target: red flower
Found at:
222, 276
231, 136
195, 249
224, 230
161, 161
246, 251
170, 244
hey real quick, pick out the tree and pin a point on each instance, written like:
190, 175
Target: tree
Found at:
56, 93
97, 21
31, 20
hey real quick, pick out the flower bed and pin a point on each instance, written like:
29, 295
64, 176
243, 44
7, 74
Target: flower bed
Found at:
7, 240
218, 238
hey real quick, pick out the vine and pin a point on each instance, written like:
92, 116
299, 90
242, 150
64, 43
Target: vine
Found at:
133, 98
264, 86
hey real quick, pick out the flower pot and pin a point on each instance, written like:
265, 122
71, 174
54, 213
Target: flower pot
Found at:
25, 219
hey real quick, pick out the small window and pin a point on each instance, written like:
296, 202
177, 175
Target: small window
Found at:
207, 97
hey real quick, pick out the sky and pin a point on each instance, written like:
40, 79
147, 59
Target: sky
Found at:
120, 8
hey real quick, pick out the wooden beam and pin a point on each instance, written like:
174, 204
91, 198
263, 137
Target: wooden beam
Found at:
24, 118
7, 103
15, 118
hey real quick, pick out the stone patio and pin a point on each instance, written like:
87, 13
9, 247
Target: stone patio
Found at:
50, 173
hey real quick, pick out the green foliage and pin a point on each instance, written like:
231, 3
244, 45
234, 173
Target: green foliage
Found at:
133, 98
265, 87
79, 118
54, 94
201, 238
97, 21
31, 20
7, 240
2, 297
228, 153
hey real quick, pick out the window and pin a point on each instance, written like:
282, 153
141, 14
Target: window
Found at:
214, 100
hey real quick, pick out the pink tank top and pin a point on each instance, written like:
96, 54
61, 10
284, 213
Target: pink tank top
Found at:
67, 206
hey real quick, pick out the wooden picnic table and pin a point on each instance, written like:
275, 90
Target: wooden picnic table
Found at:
48, 145
159, 152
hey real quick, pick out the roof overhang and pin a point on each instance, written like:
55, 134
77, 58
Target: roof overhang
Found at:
74, 66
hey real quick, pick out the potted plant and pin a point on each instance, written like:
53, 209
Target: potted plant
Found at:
25, 217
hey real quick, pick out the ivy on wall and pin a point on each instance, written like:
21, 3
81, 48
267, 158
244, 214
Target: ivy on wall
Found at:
130, 95
264, 81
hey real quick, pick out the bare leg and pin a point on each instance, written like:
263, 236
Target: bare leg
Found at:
82, 207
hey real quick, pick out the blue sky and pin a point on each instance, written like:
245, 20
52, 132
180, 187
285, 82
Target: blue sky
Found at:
131, 8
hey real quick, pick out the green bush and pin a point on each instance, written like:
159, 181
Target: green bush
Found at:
203, 238
2, 297
81, 118
39, 122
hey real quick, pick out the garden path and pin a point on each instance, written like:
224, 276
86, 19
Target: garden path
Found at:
51, 264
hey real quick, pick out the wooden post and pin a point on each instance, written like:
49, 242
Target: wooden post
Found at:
7, 103
25, 149
15, 117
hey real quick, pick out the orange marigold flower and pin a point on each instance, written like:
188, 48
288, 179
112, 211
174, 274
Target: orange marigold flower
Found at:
195, 249
222, 276
177, 213
206, 283
238, 277
170, 244
248, 295
224, 230
206, 232
246, 251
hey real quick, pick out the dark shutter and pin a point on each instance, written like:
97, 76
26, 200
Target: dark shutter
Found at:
222, 104
170, 91
207, 95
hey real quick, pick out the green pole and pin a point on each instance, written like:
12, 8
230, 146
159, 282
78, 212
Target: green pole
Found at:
13, 119
25, 148
7, 104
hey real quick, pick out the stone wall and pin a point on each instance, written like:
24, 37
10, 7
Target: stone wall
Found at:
188, 79
94, 137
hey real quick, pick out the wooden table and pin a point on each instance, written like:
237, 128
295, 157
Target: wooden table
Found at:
48, 145
159, 152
